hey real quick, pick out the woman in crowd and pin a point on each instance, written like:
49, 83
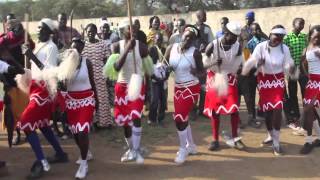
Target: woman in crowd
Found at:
273, 59
97, 52
186, 62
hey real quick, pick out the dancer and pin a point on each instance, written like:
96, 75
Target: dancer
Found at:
38, 111
311, 99
128, 113
186, 62
273, 59
224, 56
80, 103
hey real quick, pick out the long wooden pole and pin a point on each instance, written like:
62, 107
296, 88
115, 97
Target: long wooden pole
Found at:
26, 41
131, 32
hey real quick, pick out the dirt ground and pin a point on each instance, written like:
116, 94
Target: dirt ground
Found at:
107, 146
256, 163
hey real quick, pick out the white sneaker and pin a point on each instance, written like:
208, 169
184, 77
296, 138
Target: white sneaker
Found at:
130, 155
299, 132
181, 156
82, 171
139, 158
192, 150
293, 126
89, 158
45, 164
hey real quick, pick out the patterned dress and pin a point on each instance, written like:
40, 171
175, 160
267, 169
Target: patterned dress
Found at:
96, 53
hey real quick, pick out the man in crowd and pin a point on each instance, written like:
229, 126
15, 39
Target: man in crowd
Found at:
224, 21
176, 37
64, 33
297, 42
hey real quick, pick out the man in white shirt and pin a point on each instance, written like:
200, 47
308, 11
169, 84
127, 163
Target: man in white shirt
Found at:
39, 110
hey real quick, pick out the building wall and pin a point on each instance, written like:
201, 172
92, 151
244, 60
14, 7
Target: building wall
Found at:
266, 17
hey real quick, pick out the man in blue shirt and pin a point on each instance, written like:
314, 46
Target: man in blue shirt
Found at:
224, 21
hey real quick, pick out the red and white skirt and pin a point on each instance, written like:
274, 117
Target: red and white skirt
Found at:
185, 96
271, 91
312, 91
80, 108
124, 110
39, 109
224, 105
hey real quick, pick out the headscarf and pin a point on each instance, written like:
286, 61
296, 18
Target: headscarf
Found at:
250, 15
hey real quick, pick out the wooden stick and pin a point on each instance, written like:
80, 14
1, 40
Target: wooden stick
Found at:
26, 42
131, 32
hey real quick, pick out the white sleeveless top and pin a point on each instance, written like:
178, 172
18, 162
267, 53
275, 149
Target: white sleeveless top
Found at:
81, 81
313, 61
128, 67
182, 64
230, 60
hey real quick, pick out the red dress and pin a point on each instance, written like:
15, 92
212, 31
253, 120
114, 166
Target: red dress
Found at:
224, 105
124, 110
312, 91
271, 91
184, 100
39, 110
80, 107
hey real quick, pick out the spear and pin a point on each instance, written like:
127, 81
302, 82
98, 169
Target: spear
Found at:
71, 19
136, 79
26, 42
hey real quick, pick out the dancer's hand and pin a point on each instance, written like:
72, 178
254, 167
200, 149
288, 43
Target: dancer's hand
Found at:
26, 50
131, 44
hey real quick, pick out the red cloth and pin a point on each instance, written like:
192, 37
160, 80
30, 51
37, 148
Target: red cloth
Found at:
184, 100
38, 112
312, 92
124, 110
80, 108
271, 91
11, 40
1, 106
221, 104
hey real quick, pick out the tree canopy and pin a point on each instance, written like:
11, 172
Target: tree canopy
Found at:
115, 8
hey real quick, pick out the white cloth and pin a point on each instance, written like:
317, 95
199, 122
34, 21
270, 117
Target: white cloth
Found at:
3, 67
128, 67
47, 53
230, 60
313, 61
81, 81
277, 60
182, 64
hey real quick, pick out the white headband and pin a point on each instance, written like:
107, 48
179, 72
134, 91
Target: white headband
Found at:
192, 29
279, 31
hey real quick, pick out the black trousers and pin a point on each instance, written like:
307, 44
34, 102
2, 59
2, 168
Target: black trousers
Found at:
247, 86
158, 102
291, 97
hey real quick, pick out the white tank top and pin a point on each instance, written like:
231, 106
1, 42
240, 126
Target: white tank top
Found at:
230, 62
81, 80
313, 61
182, 64
128, 67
